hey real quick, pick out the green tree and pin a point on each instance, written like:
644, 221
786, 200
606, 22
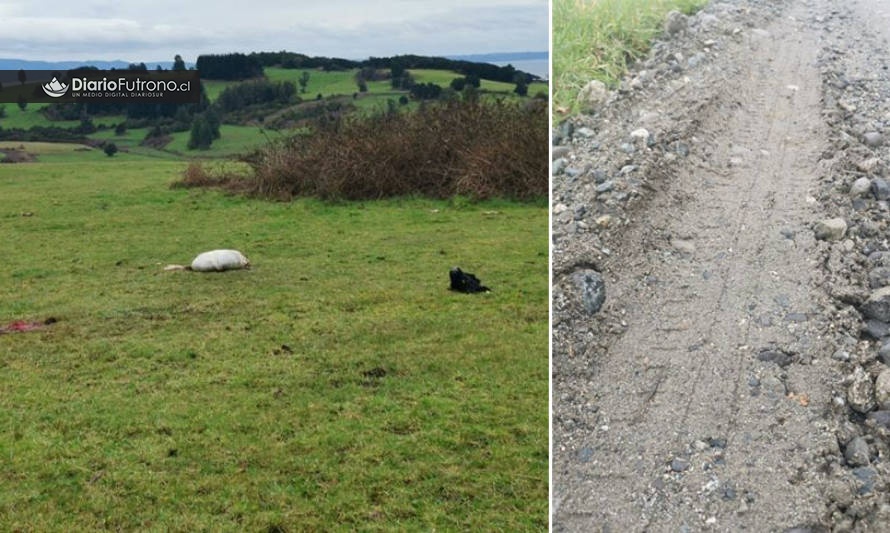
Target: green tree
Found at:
22, 76
178, 63
110, 149
201, 134
120, 129
458, 84
213, 122
23, 102
304, 81
521, 88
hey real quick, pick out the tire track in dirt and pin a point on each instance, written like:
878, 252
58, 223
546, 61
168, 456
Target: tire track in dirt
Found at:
694, 429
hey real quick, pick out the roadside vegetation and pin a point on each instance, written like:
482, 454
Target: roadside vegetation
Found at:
597, 39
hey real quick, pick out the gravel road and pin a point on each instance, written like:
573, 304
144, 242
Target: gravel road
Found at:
721, 340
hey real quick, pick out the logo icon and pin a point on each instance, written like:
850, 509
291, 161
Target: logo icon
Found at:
55, 88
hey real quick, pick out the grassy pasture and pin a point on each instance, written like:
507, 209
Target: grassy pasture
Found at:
337, 384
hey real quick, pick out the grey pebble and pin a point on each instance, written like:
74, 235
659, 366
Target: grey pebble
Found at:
605, 186
876, 328
775, 356
880, 188
592, 288
585, 132
860, 187
573, 172
873, 139
600, 176
559, 152
866, 475
679, 464
879, 277
857, 453
880, 418
878, 305
884, 353
796, 317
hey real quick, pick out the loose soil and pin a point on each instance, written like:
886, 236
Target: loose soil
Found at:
707, 393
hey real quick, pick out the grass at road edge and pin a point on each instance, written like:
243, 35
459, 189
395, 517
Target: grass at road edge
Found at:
596, 39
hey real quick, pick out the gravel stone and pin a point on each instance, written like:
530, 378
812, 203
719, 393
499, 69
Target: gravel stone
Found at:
878, 305
857, 453
675, 22
860, 187
876, 329
832, 229
560, 152
866, 475
591, 288
860, 393
679, 464
881, 189
605, 186
882, 390
873, 139
879, 277
884, 353
593, 95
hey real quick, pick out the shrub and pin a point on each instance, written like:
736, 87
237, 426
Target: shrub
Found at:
469, 148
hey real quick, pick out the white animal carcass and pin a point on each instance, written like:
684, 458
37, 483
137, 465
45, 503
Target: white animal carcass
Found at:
219, 260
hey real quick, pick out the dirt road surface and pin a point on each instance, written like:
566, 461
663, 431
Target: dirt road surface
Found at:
712, 389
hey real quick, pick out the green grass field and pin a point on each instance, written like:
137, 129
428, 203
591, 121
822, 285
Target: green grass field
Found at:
592, 39
337, 385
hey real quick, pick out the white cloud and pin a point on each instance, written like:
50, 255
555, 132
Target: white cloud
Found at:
345, 28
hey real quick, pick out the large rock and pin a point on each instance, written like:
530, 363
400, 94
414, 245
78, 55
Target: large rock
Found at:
882, 389
832, 229
878, 305
860, 393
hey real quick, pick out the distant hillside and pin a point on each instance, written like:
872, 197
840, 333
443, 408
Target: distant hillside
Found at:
529, 62
16, 64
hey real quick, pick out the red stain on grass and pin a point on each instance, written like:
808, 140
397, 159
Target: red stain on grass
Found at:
24, 325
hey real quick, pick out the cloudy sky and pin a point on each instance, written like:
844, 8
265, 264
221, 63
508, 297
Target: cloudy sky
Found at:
54, 30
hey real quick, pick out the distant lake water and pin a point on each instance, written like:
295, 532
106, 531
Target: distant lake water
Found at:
538, 67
